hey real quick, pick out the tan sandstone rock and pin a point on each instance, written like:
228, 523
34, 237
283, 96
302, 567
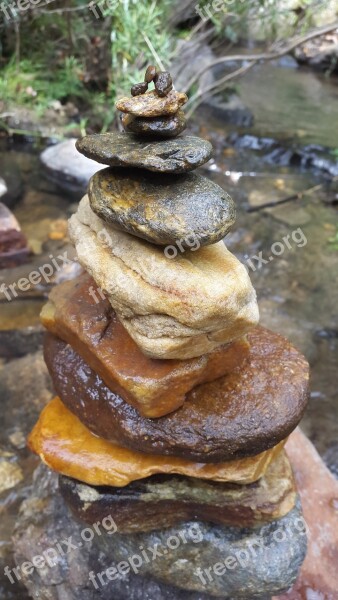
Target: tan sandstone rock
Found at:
152, 105
178, 307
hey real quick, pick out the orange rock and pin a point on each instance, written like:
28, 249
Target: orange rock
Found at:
318, 489
154, 387
67, 446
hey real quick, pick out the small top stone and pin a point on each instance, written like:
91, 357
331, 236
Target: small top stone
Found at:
151, 104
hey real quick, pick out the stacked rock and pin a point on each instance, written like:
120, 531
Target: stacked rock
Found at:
173, 405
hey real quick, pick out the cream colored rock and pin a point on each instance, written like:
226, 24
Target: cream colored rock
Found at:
178, 307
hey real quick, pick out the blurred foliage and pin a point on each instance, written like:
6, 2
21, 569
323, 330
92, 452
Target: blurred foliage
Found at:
88, 53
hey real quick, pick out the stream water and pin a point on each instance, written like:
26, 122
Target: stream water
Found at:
287, 250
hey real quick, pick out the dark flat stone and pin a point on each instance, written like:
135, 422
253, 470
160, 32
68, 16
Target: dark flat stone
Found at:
156, 127
237, 416
163, 209
272, 570
162, 501
125, 150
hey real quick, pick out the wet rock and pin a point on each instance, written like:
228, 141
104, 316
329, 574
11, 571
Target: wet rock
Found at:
87, 322
150, 73
67, 446
163, 83
271, 569
13, 244
162, 501
19, 342
12, 184
152, 105
25, 387
156, 127
125, 150
236, 416
38, 530
163, 209
320, 53
172, 307
67, 168
231, 110
139, 88
318, 490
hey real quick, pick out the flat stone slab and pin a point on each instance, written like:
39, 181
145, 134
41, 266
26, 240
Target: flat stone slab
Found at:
260, 561
179, 307
126, 150
156, 127
67, 446
189, 210
162, 501
154, 387
236, 416
152, 105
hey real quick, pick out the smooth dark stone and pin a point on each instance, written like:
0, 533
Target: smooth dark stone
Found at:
162, 501
155, 127
272, 570
150, 73
236, 416
163, 209
125, 150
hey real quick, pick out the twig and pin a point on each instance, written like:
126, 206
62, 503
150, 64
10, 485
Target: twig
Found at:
270, 55
296, 196
153, 51
216, 87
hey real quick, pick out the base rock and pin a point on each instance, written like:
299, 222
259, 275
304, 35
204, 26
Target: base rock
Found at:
273, 569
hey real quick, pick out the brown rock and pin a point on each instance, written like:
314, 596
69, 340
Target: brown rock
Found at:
236, 416
163, 209
68, 447
163, 83
153, 387
151, 105
150, 73
139, 88
163, 501
318, 579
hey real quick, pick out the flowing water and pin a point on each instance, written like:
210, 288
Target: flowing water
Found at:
287, 250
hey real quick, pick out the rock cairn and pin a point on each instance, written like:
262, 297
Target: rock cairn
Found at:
173, 405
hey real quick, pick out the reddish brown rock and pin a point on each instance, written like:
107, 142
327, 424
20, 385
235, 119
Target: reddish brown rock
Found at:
13, 245
154, 387
318, 579
163, 501
236, 416
68, 447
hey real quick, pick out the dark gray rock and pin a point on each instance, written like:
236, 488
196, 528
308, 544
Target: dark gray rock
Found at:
19, 342
272, 570
125, 150
163, 209
155, 127
67, 168
231, 110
